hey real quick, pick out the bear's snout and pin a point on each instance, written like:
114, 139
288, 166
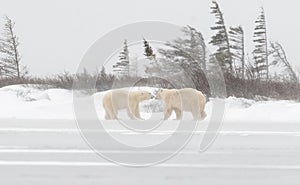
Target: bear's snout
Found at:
157, 96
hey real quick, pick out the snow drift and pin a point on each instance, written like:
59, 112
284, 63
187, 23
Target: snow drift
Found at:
33, 102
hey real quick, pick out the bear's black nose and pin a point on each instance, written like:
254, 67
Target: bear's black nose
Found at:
152, 96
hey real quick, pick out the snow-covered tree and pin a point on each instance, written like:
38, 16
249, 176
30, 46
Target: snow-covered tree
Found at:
191, 48
104, 80
103, 73
186, 58
221, 40
134, 66
122, 68
153, 67
237, 46
280, 59
10, 65
261, 47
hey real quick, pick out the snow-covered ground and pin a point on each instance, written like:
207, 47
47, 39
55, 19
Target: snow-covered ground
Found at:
31, 102
41, 144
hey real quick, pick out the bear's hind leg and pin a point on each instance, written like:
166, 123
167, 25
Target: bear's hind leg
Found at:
196, 115
107, 112
113, 113
203, 115
110, 115
107, 117
202, 102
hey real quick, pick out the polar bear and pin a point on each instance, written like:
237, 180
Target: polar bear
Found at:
119, 99
181, 100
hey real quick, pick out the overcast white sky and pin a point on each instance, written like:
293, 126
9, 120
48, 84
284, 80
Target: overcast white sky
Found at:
55, 34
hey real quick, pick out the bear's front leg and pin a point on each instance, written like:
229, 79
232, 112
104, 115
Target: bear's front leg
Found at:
132, 111
130, 114
167, 114
137, 113
178, 114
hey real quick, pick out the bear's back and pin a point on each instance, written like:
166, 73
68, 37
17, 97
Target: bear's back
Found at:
189, 98
118, 97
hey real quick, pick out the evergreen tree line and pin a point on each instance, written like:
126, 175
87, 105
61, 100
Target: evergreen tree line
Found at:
183, 62
246, 74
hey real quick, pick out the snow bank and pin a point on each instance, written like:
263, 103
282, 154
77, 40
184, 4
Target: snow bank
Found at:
264, 111
32, 102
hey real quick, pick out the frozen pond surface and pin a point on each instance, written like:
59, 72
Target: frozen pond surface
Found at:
53, 152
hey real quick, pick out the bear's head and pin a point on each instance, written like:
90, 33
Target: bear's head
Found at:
144, 95
160, 94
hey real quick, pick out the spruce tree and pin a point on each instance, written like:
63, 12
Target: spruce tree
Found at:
103, 73
221, 40
260, 51
280, 59
9, 47
237, 46
186, 56
154, 67
149, 51
122, 68
191, 48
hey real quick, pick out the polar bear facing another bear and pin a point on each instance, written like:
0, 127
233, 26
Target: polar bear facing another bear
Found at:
119, 99
177, 100
181, 100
